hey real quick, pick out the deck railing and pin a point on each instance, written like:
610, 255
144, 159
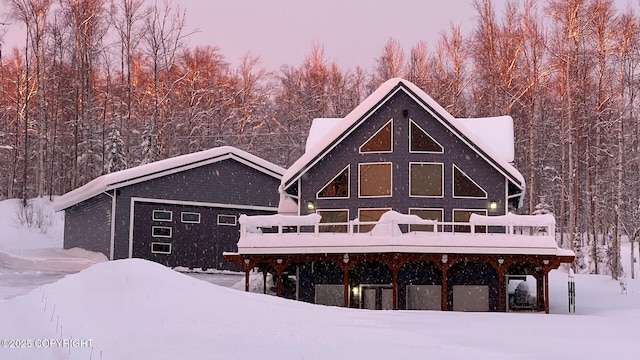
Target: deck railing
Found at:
309, 224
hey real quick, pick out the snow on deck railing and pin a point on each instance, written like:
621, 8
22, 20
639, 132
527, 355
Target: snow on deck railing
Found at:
390, 222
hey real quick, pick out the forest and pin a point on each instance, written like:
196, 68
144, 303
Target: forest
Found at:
104, 85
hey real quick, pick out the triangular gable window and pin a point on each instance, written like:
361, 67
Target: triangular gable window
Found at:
465, 187
381, 141
338, 187
420, 141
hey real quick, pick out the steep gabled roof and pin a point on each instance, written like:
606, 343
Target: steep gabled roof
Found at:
340, 130
162, 168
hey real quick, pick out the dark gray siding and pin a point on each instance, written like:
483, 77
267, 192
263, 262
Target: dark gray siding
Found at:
193, 245
224, 182
87, 225
455, 152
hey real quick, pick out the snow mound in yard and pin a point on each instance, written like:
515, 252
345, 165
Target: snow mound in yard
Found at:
61, 260
136, 309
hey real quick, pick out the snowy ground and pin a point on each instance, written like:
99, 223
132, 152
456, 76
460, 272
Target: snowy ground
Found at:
135, 309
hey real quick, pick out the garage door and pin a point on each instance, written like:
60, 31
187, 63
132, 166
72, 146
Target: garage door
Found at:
470, 298
424, 297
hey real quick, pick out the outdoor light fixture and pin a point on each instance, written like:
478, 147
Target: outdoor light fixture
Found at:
445, 258
545, 261
247, 261
345, 258
493, 205
500, 261
311, 206
279, 261
355, 291
405, 113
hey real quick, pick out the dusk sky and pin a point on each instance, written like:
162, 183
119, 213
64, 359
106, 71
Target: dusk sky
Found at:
282, 32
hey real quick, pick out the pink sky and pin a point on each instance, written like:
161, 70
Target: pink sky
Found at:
282, 32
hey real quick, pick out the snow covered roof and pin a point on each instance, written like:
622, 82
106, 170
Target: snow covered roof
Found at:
494, 132
319, 128
162, 168
327, 133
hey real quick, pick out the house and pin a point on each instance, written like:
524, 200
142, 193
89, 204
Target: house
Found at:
181, 211
401, 206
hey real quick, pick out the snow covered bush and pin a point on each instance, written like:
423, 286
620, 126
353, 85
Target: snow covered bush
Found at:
37, 214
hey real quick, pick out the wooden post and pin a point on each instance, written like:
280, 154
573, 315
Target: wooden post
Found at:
394, 271
246, 279
345, 271
546, 290
445, 290
502, 293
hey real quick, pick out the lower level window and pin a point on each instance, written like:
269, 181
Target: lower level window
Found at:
161, 231
464, 216
369, 215
334, 217
160, 248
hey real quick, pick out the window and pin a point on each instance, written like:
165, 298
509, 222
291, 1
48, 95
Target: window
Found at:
465, 187
337, 188
161, 231
333, 216
190, 217
368, 215
427, 214
381, 141
162, 215
421, 142
227, 220
464, 216
375, 180
426, 179
160, 248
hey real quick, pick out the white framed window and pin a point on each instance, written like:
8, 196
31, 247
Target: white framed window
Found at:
465, 187
436, 214
421, 142
333, 216
162, 215
161, 231
381, 141
369, 215
190, 217
160, 248
426, 179
375, 180
338, 187
227, 220
463, 215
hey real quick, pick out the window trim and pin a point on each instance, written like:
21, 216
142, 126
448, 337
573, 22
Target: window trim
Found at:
162, 236
235, 220
182, 220
360, 196
348, 169
440, 227
170, 219
453, 182
442, 190
374, 135
161, 252
411, 151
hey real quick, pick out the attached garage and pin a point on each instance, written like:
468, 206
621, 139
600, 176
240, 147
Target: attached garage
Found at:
181, 211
